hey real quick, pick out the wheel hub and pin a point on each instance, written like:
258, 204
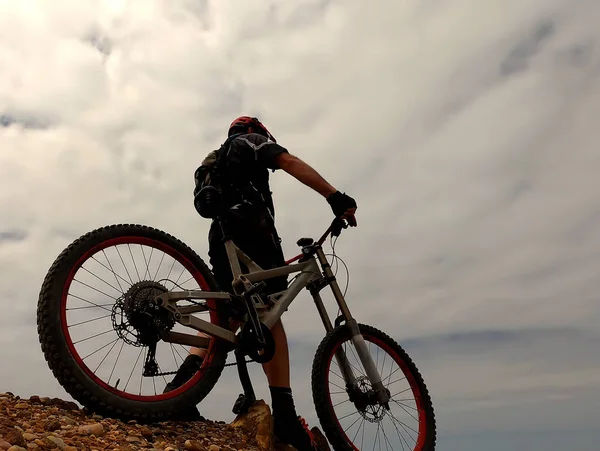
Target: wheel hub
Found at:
364, 399
137, 319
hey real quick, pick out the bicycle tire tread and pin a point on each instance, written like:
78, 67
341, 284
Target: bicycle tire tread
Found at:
320, 391
68, 373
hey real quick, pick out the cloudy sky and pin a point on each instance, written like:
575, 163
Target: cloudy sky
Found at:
466, 130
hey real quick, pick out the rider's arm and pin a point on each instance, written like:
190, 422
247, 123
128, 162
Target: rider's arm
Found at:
304, 173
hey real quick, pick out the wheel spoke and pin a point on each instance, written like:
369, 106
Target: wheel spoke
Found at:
124, 265
89, 320
133, 260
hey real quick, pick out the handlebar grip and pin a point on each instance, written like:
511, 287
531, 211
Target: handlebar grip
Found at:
335, 229
337, 226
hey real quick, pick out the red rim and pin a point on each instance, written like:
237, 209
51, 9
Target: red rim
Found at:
195, 272
420, 445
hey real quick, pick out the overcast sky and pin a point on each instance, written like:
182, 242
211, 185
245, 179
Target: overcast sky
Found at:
466, 130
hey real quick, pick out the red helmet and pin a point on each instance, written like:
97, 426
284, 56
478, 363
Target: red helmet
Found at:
243, 122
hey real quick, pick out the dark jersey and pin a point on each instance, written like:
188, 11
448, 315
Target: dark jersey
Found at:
250, 157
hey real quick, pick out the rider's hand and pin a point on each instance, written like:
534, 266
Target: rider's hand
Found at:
343, 206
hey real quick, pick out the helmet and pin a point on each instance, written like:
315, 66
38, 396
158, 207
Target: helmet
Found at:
242, 123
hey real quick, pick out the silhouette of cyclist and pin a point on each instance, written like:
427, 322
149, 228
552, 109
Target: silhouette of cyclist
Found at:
256, 151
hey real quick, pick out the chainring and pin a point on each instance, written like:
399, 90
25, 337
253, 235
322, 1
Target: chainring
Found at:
259, 352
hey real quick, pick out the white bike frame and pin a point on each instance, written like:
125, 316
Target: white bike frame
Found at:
311, 277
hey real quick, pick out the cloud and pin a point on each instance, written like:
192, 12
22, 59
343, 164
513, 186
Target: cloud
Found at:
466, 132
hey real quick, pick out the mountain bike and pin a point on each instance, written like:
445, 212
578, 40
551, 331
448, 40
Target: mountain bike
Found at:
141, 314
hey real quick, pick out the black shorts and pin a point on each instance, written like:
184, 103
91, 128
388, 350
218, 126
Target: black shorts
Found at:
257, 240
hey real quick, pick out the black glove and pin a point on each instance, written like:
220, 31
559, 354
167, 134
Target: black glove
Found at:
340, 202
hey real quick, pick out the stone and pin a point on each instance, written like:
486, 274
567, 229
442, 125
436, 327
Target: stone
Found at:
133, 439
146, 433
60, 444
68, 420
66, 405
214, 448
193, 445
17, 448
320, 439
257, 421
52, 425
22, 405
29, 437
4, 445
14, 437
92, 429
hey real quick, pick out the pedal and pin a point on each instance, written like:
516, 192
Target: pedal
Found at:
243, 403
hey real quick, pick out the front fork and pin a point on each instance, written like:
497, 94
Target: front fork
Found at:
382, 394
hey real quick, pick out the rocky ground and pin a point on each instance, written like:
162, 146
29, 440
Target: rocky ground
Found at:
53, 424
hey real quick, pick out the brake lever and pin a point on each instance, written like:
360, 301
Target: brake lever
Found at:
337, 226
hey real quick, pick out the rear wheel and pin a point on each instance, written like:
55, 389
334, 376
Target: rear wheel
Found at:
95, 322
361, 423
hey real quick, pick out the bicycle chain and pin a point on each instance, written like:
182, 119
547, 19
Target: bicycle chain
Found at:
169, 373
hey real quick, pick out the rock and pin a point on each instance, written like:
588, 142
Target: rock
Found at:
70, 448
4, 445
16, 448
258, 422
320, 439
60, 444
193, 445
52, 425
133, 439
14, 437
69, 421
65, 405
34, 399
29, 437
146, 433
214, 448
92, 429
22, 405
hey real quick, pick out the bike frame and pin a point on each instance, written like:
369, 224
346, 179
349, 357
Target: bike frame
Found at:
311, 277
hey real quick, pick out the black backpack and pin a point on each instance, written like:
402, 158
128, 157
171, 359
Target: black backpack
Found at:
221, 184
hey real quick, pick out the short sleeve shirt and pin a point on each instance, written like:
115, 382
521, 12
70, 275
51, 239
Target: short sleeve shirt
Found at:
253, 155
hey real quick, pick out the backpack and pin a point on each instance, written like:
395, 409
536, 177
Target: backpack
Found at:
221, 184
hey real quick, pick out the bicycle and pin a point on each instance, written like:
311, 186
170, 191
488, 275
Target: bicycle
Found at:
145, 314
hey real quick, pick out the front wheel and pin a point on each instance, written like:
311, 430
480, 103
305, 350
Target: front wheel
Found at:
361, 423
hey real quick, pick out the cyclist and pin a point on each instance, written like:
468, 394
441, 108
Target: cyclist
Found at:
253, 148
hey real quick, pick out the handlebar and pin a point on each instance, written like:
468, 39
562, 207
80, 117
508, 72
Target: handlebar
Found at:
335, 229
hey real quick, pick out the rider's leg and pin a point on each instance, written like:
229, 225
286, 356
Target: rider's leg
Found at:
287, 425
221, 271
277, 369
